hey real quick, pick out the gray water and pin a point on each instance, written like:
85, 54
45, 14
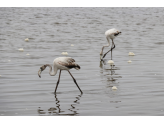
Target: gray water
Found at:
51, 31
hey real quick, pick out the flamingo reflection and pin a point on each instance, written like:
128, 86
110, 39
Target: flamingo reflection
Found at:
58, 111
72, 109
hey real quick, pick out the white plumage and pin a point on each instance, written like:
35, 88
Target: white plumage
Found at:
110, 34
61, 63
65, 63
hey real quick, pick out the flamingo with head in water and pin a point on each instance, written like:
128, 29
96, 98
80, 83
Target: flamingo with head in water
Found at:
61, 63
110, 34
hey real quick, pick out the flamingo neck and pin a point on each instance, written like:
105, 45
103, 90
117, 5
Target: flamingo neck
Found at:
108, 39
54, 70
101, 53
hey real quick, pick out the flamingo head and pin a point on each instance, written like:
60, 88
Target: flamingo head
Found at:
117, 33
41, 69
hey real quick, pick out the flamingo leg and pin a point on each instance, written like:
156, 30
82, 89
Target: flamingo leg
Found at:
113, 46
75, 81
111, 50
57, 82
106, 53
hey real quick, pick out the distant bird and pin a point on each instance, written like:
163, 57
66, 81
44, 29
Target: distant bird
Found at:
110, 34
61, 63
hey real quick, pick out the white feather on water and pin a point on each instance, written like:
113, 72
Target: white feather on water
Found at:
21, 49
64, 53
114, 88
26, 39
129, 61
131, 54
111, 62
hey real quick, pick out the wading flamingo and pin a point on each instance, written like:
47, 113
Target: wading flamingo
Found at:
110, 34
61, 63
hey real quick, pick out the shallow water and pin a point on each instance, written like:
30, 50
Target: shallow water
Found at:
51, 31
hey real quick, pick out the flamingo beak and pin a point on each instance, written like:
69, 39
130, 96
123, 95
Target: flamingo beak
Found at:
39, 73
41, 69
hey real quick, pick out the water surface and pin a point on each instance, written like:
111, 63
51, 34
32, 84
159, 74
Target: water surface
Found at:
51, 31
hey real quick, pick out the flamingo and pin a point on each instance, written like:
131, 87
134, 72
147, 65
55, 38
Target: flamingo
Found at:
110, 34
61, 63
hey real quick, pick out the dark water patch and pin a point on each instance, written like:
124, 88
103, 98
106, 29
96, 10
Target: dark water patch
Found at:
160, 43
